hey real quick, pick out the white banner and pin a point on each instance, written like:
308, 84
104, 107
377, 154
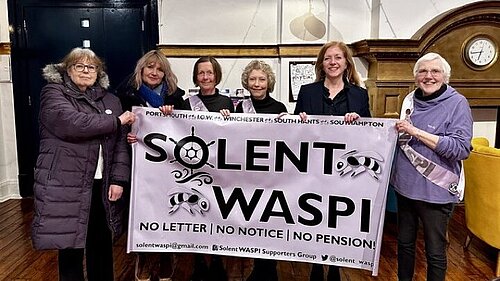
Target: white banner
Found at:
253, 185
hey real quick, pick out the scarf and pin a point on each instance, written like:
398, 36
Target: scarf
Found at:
154, 97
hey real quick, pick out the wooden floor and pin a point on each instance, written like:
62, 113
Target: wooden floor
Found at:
18, 260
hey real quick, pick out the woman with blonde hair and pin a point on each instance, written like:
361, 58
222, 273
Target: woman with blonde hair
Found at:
153, 84
259, 79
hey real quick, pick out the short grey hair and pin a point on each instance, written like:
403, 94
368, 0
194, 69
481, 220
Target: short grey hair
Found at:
430, 57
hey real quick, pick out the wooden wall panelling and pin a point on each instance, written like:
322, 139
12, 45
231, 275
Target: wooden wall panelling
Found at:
241, 51
389, 96
228, 51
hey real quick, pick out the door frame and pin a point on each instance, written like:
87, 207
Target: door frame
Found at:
23, 108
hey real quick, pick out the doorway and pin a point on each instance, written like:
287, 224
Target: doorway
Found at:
45, 31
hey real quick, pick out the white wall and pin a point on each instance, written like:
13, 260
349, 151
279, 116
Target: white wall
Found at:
251, 22
217, 22
8, 157
484, 123
401, 19
8, 153
4, 22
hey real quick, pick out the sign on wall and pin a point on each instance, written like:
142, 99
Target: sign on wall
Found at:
301, 73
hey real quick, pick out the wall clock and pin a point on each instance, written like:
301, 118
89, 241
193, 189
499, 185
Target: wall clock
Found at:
480, 52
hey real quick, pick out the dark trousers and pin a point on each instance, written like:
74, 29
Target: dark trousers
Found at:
98, 247
148, 263
435, 218
263, 270
202, 272
317, 273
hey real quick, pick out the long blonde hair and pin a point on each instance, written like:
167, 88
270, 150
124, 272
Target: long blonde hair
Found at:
155, 56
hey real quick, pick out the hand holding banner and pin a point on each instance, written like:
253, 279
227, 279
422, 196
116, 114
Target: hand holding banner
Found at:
253, 185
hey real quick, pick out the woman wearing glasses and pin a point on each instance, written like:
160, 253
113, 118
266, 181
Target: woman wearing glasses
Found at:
82, 167
207, 74
435, 135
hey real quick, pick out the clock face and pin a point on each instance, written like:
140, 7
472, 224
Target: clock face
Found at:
480, 52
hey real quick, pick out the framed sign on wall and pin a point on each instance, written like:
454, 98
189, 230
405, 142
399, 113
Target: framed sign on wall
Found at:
300, 73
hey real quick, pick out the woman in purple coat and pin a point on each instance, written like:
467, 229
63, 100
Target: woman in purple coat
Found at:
82, 167
436, 131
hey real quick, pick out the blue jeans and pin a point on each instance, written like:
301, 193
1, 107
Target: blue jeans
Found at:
434, 218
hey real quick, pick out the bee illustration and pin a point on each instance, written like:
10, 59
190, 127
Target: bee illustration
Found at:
359, 162
188, 199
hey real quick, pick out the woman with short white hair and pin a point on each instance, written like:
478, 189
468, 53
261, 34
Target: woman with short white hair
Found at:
435, 136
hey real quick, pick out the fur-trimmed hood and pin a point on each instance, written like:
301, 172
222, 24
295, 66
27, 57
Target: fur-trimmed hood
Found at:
54, 73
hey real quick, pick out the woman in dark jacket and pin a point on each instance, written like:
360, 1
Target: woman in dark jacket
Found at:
82, 167
152, 84
336, 92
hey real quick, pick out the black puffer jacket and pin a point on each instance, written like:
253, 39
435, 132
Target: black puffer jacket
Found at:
73, 125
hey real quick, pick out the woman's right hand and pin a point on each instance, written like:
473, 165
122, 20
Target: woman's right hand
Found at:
303, 116
127, 118
282, 114
131, 138
225, 112
166, 109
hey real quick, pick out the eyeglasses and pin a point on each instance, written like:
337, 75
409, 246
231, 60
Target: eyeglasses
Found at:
81, 67
433, 72
208, 73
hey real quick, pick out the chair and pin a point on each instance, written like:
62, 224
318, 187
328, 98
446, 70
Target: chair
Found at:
482, 195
